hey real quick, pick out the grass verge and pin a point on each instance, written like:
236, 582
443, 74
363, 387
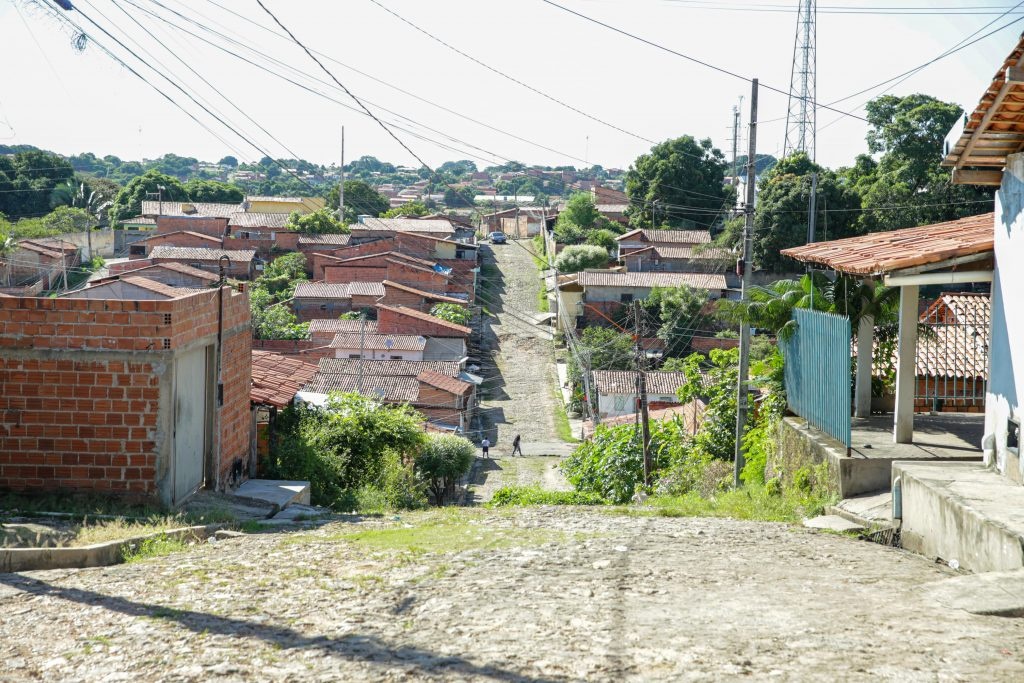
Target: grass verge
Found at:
157, 546
508, 496
752, 502
562, 427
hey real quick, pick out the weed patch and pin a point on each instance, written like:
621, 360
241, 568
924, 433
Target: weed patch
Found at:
157, 546
534, 495
753, 502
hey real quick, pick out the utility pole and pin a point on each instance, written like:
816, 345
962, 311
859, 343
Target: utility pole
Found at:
341, 182
746, 266
735, 136
641, 392
812, 213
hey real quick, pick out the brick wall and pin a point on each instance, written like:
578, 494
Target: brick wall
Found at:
336, 274
181, 239
312, 309
86, 390
125, 266
393, 296
393, 322
236, 269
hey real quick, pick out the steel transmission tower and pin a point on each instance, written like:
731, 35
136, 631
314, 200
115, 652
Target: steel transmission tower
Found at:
801, 122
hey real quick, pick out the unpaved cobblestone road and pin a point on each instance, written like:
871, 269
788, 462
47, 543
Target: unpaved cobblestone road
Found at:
543, 594
520, 378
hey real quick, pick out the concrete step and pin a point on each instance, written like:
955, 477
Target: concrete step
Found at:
833, 523
276, 492
997, 594
871, 510
964, 512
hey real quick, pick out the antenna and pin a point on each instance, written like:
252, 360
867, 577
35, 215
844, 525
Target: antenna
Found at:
801, 121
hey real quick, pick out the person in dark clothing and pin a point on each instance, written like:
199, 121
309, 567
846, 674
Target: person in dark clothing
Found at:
516, 447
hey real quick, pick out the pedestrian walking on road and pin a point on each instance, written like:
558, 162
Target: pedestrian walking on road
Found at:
516, 447
485, 445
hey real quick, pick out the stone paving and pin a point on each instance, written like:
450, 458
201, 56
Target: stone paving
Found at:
541, 594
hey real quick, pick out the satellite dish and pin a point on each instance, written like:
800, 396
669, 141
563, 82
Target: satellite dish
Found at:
389, 343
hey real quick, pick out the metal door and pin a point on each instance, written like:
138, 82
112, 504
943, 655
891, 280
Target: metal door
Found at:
190, 423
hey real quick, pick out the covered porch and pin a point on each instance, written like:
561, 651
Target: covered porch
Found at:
949, 253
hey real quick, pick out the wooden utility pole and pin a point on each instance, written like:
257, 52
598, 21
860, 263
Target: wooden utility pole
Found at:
641, 393
745, 267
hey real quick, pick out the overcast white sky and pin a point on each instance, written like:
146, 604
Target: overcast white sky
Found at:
57, 98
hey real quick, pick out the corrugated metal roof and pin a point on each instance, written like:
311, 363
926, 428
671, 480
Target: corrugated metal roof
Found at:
276, 378
878, 253
612, 279
201, 253
378, 342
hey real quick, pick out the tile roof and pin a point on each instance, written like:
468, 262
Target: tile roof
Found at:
953, 351
965, 308
50, 253
200, 209
378, 342
624, 381
611, 208
201, 253
995, 128
52, 243
164, 235
276, 378
445, 383
325, 240
346, 290
290, 200
160, 288
433, 296
139, 220
613, 279
683, 252
878, 253
331, 325
405, 311
690, 414
248, 219
172, 266
406, 225
404, 368
432, 238
386, 254
397, 389
668, 236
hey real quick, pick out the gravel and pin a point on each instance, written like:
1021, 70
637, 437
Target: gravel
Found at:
541, 594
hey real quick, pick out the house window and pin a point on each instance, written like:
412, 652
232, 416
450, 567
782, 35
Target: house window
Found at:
353, 355
1013, 435
625, 298
137, 250
323, 307
395, 357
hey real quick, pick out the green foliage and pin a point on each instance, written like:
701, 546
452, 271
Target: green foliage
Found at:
360, 199
683, 172
128, 202
27, 181
292, 266
462, 196
213, 191
272, 320
68, 219
783, 199
229, 161
442, 461
353, 443
676, 309
453, 313
414, 209
605, 239
156, 546
579, 257
319, 222
580, 210
508, 496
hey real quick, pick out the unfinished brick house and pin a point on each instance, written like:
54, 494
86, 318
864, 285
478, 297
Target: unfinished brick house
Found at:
122, 396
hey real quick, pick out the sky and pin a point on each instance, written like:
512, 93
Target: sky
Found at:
615, 95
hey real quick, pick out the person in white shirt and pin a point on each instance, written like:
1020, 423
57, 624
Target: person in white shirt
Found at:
485, 445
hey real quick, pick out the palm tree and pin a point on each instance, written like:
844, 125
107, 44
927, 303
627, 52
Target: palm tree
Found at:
7, 247
771, 306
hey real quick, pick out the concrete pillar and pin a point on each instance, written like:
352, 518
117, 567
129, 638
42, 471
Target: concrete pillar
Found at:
865, 346
906, 362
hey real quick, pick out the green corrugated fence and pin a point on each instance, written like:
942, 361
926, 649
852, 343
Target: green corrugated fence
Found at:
818, 380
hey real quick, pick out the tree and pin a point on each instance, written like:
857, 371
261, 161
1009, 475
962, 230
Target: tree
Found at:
442, 461
291, 266
320, 222
360, 199
677, 310
27, 180
579, 257
213, 191
273, 321
909, 132
128, 202
414, 209
462, 196
580, 210
605, 239
228, 161
684, 176
783, 201
68, 219
453, 313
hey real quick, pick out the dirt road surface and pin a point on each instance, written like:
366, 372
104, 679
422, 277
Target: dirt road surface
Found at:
542, 594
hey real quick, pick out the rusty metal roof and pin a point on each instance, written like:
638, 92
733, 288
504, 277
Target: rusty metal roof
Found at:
878, 253
995, 129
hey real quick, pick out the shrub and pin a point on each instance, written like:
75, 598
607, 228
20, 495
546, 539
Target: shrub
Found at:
534, 495
603, 238
580, 257
453, 313
443, 459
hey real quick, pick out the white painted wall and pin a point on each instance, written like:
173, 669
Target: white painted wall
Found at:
444, 348
371, 354
614, 405
1005, 397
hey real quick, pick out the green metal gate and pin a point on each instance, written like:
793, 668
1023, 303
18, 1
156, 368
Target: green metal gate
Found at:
818, 380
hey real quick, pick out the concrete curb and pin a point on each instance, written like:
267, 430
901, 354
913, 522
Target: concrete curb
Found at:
98, 555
